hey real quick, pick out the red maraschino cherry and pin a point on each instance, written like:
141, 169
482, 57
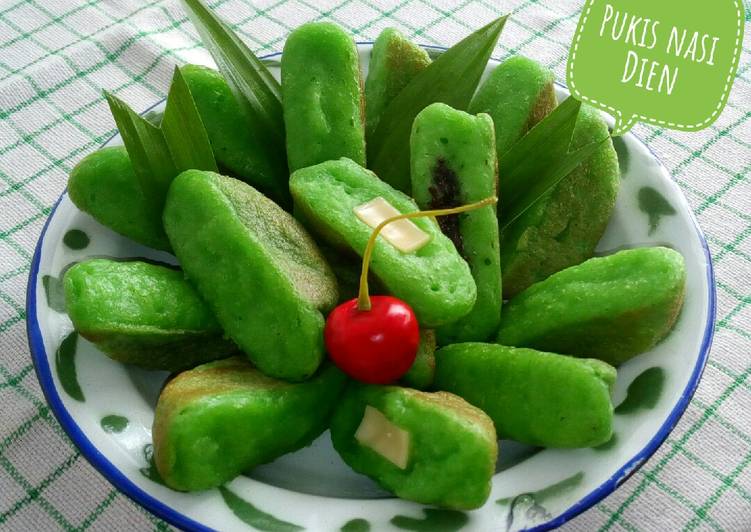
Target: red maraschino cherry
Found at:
376, 346
375, 339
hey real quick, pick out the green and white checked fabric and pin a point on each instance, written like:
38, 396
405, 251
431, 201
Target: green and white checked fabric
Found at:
57, 55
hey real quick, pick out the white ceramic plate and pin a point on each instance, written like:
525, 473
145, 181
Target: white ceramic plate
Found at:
107, 408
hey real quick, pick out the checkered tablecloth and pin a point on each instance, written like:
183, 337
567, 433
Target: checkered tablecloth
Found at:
56, 56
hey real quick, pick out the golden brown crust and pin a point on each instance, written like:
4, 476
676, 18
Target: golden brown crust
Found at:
474, 416
208, 380
546, 102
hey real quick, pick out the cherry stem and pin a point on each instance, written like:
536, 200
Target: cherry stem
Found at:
363, 297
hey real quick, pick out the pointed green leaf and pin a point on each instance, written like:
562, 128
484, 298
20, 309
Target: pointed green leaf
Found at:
184, 131
543, 145
258, 92
546, 180
254, 517
452, 79
147, 149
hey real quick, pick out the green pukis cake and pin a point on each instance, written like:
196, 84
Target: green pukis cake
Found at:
104, 185
434, 280
432, 448
143, 314
240, 145
517, 95
394, 62
221, 419
533, 397
612, 308
563, 227
256, 267
454, 163
324, 111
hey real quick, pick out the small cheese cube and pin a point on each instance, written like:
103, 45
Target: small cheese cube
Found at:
402, 234
385, 438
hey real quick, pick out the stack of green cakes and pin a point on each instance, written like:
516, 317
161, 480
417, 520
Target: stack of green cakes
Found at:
521, 329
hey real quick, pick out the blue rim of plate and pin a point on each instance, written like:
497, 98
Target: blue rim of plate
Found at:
175, 518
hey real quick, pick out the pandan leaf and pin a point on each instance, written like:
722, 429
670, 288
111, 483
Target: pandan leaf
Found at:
159, 153
147, 149
452, 79
184, 131
258, 92
547, 180
539, 160
548, 141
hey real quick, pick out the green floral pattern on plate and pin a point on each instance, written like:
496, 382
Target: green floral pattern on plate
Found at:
76, 239
435, 520
655, 206
254, 517
356, 525
643, 392
114, 424
65, 364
